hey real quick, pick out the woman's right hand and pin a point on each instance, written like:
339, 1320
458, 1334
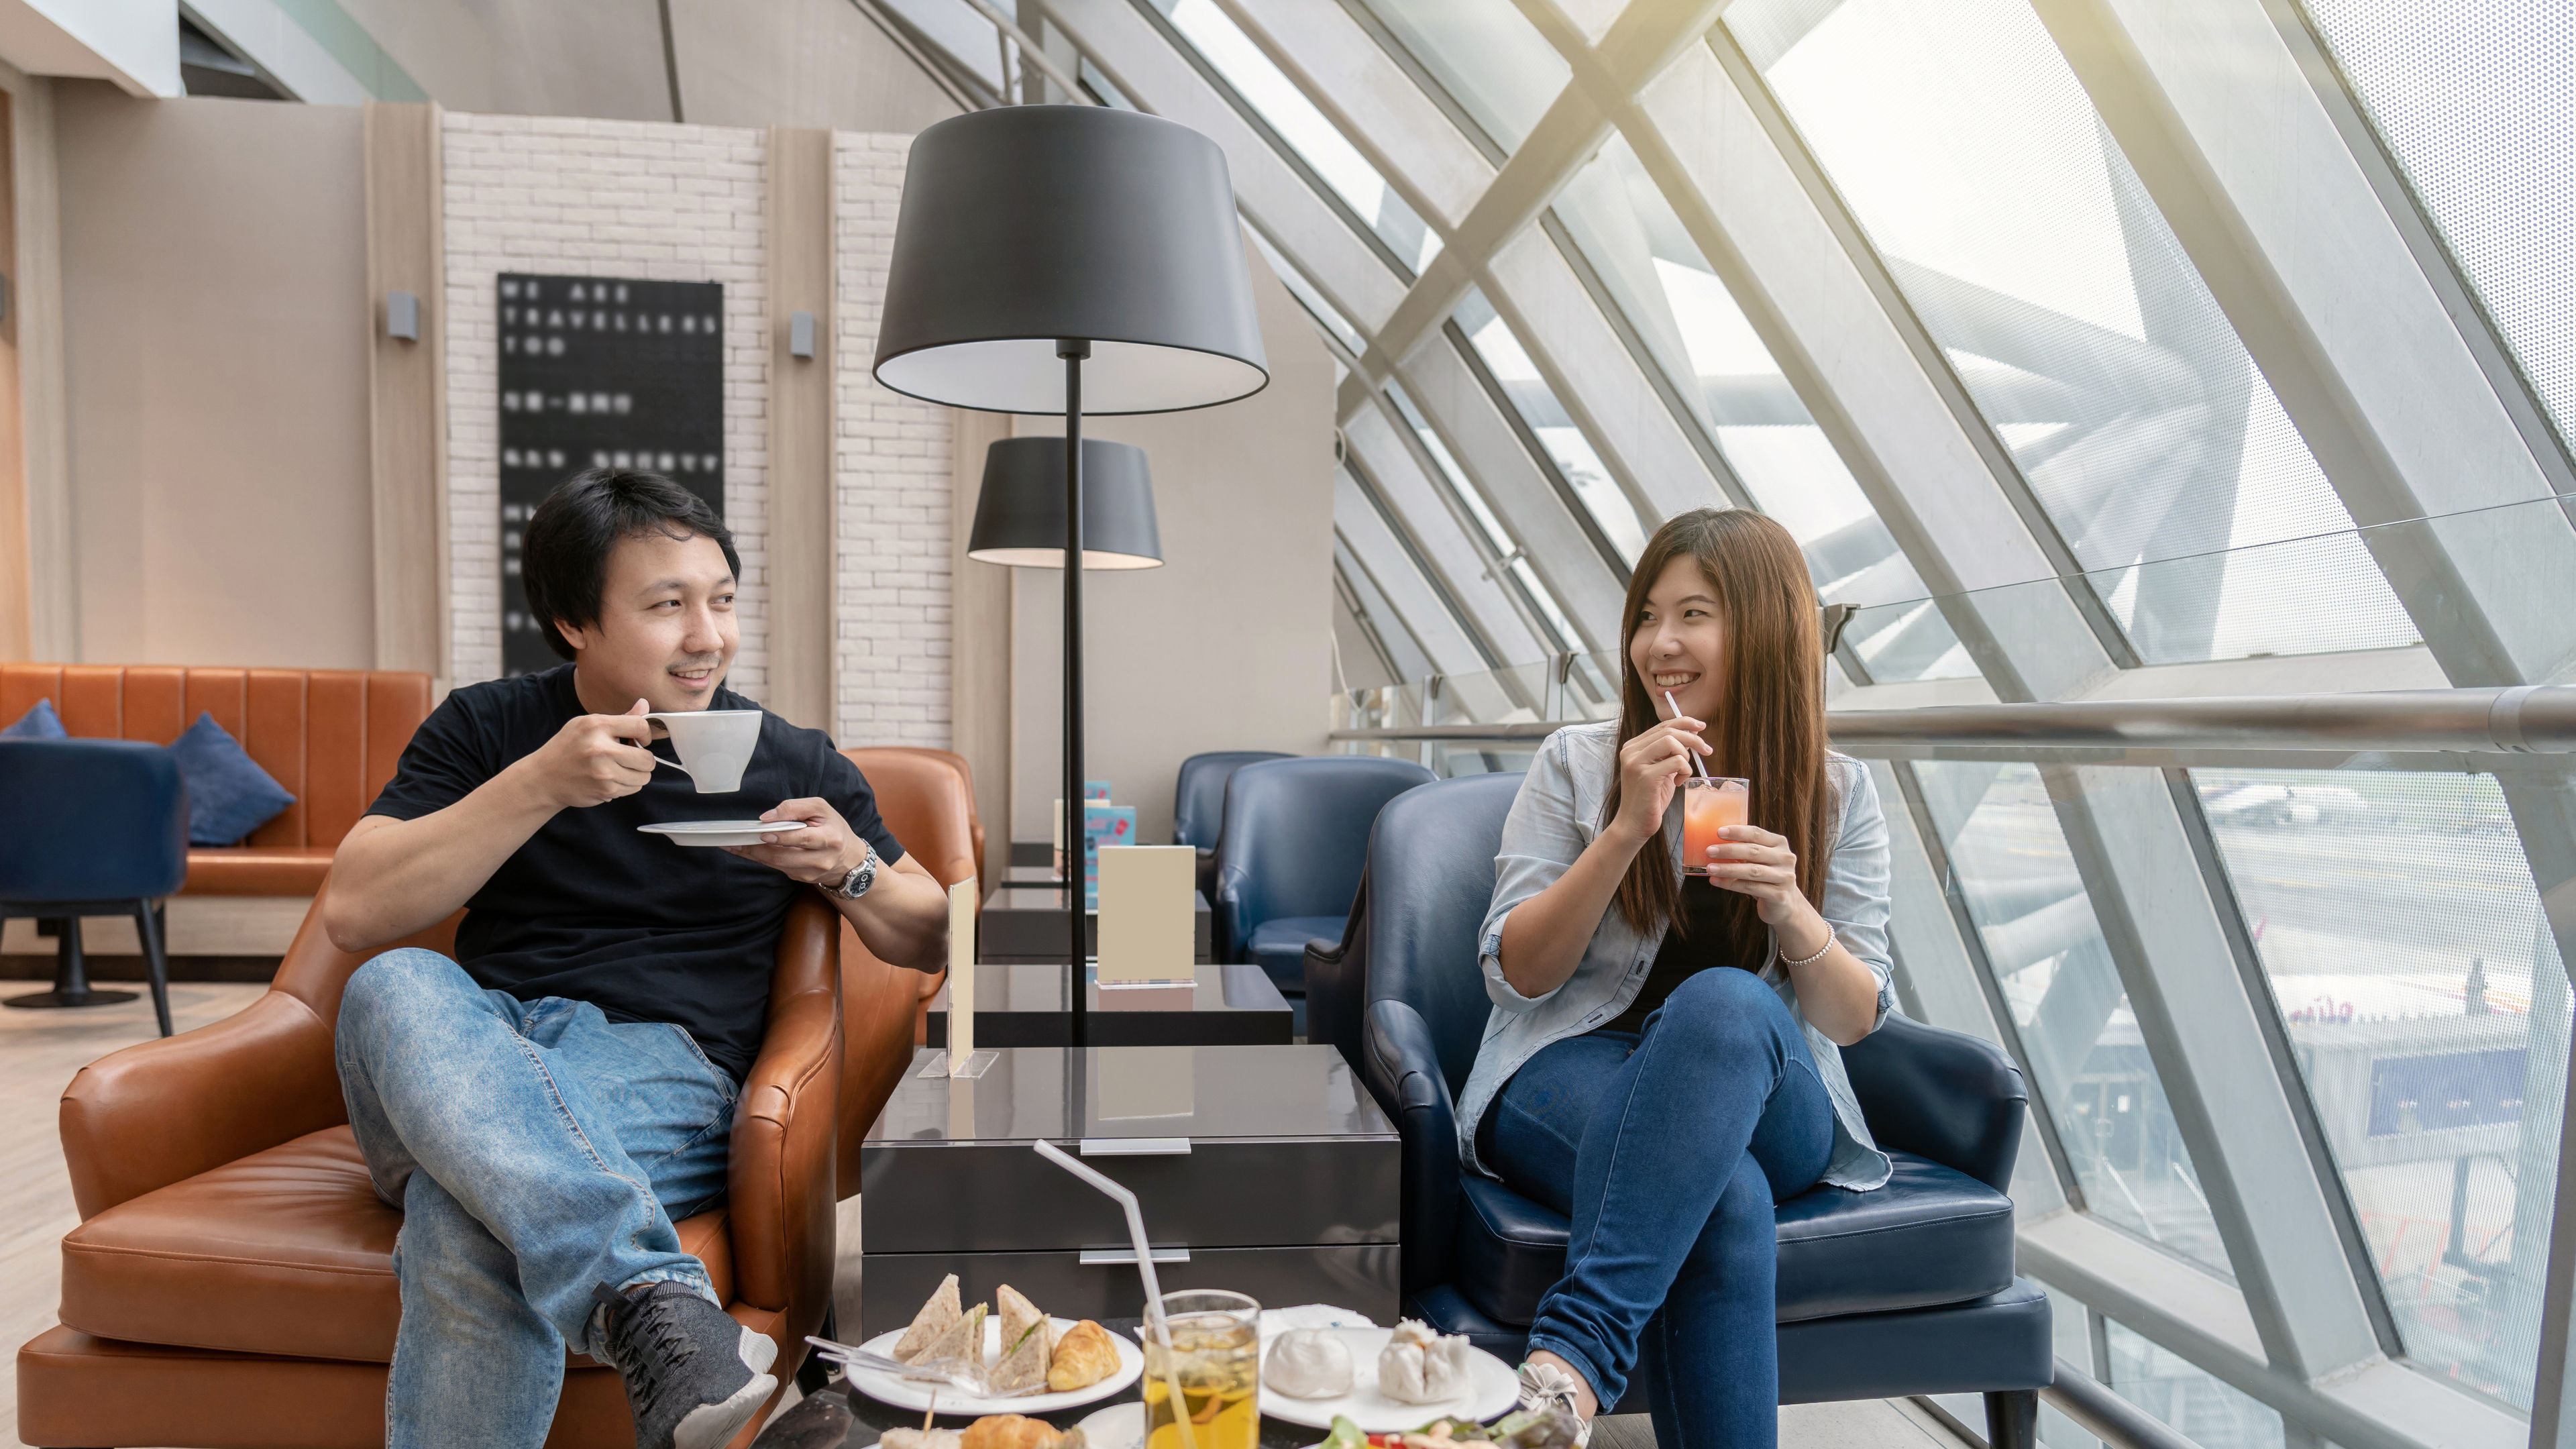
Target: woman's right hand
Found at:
1651, 767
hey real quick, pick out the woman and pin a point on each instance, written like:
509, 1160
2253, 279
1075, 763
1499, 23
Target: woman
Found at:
1661, 1063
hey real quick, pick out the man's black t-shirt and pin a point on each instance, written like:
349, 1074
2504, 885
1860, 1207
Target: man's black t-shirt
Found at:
594, 910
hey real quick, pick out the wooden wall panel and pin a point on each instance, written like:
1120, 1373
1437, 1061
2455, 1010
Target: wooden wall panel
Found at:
803, 682
407, 389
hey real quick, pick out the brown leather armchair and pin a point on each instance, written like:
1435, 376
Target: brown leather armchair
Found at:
927, 800
231, 1282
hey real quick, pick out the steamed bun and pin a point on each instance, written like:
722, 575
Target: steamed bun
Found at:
1418, 1366
1309, 1363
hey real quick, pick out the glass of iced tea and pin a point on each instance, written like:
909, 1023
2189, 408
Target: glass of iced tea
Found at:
1204, 1392
1710, 803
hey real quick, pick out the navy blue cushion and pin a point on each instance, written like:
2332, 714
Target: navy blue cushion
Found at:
1279, 947
40, 723
1932, 1235
229, 795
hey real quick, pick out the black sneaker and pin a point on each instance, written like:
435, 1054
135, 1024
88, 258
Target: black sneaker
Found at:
693, 1375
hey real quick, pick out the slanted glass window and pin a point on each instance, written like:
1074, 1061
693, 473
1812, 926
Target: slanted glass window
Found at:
1472, 499
2399, 925
1328, 318
1739, 398
2471, 100
1488, 57
1326, 151
2087, 1058
1968, 151
1568, 453
1382, 639
962, 31
2189, 1400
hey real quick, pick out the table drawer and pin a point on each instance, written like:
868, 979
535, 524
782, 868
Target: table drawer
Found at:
1228, 1193
1361, 1277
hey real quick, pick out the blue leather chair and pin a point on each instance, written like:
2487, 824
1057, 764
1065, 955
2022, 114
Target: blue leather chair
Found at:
1288, 861
1905, 1290
91, 828
1198, 804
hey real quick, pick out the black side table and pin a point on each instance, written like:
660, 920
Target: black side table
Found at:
1268, 1170
1024, 1005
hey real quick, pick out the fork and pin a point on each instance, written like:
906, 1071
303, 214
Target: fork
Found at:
847, 1355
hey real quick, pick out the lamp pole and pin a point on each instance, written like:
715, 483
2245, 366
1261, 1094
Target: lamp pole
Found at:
1076, 814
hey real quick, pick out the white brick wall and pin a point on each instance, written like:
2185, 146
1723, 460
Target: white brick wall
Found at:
891, 470
576, 197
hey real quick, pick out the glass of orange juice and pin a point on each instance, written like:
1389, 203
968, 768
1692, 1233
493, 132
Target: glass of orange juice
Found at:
1710, 803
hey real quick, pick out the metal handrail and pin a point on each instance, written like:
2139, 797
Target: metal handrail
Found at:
2524, 719
2107, 1416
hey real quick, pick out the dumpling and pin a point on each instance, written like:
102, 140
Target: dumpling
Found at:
1309, 1363
1418, 1366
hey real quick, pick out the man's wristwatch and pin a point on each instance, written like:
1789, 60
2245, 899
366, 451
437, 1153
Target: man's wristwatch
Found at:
861, 876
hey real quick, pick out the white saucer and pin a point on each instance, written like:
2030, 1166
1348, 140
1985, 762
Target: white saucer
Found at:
1492, 1391
721, 832
914, 1394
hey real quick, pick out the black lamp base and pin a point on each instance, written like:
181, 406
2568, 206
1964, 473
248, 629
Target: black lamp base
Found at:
45, 1000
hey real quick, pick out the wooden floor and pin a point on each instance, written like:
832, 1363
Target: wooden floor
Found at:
40, 1050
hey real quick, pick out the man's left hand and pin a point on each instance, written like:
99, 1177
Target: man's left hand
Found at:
820, 854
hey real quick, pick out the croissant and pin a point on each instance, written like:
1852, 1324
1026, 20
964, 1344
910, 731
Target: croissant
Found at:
1083, 1357
1009, 1431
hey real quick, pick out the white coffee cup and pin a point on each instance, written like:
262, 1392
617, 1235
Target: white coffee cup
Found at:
714, 745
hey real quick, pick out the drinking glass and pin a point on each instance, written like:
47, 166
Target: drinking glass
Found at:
1215, 1361
1710, 803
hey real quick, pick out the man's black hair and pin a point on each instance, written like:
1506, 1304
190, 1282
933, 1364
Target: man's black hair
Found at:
563, 564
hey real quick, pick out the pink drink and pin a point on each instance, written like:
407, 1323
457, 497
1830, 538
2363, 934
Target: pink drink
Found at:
1709, 805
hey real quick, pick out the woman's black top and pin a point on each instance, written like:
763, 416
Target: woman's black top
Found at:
1683, 954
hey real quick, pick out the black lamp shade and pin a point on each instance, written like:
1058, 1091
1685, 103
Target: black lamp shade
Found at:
1019, 516
1023, 225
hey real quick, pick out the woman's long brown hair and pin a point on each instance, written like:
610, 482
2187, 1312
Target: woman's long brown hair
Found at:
1770, 727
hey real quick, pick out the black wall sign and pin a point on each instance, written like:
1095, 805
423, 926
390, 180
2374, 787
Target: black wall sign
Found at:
595, 373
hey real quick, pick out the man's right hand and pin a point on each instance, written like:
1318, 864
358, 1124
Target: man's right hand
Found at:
593, 759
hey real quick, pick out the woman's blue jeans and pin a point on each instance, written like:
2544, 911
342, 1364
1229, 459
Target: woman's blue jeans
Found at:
1669, 1151
537, 1150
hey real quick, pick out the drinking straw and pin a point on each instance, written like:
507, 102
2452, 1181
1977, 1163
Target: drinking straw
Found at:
1154, 1321
1696, 767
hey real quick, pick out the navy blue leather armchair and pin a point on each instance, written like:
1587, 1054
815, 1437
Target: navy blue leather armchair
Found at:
1198, 804
91, 828
1288, 861
1905, 1290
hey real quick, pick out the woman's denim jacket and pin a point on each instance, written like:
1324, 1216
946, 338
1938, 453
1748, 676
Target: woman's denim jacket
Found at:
1556, 815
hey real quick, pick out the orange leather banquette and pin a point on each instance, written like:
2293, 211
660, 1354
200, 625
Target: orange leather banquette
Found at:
330, 736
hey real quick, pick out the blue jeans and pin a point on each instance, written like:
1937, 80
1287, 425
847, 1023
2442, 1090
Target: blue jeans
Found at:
536, 1150
1669, 1150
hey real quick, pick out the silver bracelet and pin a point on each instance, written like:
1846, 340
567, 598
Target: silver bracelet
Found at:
1820, 951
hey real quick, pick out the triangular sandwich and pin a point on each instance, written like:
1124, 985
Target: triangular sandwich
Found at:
1024, 1361
963, 1343
937, 1315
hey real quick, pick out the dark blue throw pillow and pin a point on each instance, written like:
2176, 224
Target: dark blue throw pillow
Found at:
229, 795
40, 723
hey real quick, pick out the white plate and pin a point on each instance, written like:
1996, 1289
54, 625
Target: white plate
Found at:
721, 832
1492, 1391
1120, 1426
915, 1394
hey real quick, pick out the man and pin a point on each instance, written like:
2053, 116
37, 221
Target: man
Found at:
544, 1107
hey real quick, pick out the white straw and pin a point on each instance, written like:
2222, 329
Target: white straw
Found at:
1118, 1193
1696, 767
